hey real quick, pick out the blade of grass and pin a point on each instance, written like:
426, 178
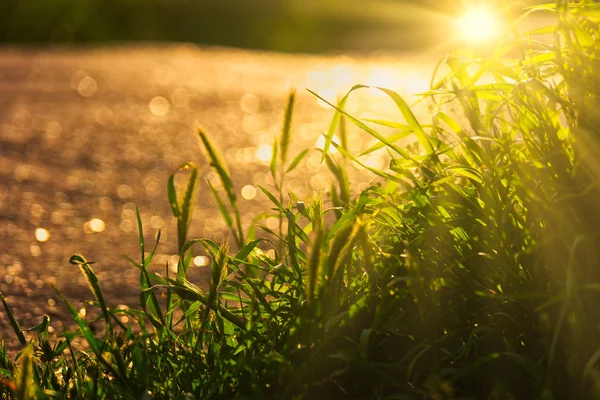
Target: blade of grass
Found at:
182, 186
287, 127
154, 313
92, 281
13, 322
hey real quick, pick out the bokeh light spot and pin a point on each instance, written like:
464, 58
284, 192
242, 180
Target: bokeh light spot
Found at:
264, 153
159, 106
124, 191
87, 87
42, 235
95, 225
272, 223
35, 250
201, 261
248, 192
249, 103
157, 222
77, 77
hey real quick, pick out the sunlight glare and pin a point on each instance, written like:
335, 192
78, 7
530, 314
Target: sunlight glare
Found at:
479, 25
381, 77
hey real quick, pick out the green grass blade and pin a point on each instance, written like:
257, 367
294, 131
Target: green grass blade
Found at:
371, 169
314, 267
155, 313
258, 293
336, 117
247, 249
341, 176
392, 138
172, 194
183, 184
287, 127
218, 266
13, 322
390, 124
92, 281
24, 382
222, 208
84, 328
361, 125
272, 198
97, 346
218, 163
297, 160
210, 246
190, 292
292, 248
273, 163
410, 118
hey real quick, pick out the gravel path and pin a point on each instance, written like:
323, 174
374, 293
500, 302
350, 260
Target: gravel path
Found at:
87, 135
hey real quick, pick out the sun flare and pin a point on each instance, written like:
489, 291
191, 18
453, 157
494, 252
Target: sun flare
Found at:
479, 25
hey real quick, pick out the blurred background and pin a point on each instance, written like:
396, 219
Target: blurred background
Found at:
100, 100
312, 26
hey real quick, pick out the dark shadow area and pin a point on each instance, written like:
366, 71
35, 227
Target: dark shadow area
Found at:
277, 25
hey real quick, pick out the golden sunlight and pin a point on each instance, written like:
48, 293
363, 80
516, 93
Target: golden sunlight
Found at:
479, 25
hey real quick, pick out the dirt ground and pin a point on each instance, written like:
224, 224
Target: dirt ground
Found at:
87, 135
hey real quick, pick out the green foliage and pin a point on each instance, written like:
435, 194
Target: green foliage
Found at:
468, 269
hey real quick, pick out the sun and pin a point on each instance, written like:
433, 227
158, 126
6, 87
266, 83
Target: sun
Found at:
479, 25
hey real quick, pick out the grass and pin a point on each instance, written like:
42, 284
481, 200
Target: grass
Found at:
467, 271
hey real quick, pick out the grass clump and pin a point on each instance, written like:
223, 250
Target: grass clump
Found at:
468, 271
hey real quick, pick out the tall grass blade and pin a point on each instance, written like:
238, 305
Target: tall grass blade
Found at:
92, 281
13, 322
339, 172
336, 118
292, 248
213, 303
182, 187
287, 127
25, 386
272, 198
297, 160
220, 166
85, 329
190, 292
218, 163
340, 111
96, 345
410, 118
222, 208
273, 163
314, 267
155, 314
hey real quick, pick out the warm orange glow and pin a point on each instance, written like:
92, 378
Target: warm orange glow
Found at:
479, 25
